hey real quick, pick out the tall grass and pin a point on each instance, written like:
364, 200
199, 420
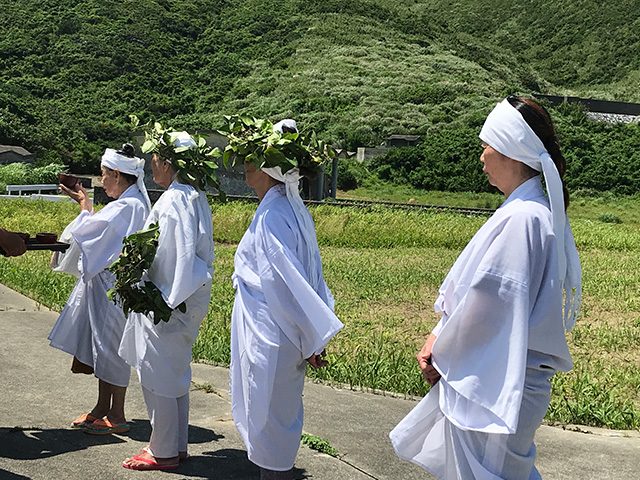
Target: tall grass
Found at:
384, 268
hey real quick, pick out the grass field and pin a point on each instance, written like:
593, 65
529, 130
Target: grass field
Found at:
384, 268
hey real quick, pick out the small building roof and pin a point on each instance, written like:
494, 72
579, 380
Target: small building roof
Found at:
15, 149
410, 138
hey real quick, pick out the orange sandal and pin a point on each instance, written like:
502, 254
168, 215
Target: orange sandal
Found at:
83, 420
104, 426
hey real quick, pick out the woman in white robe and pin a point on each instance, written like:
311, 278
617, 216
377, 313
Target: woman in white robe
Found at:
282, 318
502, 332
161, 354
90, 325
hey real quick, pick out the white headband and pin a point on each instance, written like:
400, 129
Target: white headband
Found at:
507, 131
288, 123
182, 139
129, 165
291, 180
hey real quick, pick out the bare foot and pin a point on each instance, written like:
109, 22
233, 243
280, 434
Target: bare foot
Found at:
97, 413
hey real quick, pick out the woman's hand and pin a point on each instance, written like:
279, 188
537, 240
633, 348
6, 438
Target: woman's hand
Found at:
430, 374
318, 361
80, 195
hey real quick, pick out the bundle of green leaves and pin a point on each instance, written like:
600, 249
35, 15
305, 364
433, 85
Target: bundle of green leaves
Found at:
195, 164
130, 290
255, 140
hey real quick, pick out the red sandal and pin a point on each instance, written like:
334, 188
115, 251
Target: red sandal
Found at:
148, 464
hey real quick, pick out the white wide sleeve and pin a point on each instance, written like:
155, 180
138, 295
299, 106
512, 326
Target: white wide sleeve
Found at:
177, 270
67, 262
100, 237
481, 349
305, 318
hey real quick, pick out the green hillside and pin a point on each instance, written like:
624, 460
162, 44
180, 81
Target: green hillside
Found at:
354, 71
581, 47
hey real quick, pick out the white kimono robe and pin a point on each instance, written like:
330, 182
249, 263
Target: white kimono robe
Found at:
278, 321
90, 325
500, 339
182, 270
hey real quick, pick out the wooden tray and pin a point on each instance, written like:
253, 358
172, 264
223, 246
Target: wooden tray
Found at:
55, 247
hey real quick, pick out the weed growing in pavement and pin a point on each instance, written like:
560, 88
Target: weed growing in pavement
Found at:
318, 444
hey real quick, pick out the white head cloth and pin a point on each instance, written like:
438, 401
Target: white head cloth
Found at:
129, 165
291, 180
182, 139
506, 131
288, 123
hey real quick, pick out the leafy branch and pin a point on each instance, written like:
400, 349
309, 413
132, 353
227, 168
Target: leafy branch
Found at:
130, 290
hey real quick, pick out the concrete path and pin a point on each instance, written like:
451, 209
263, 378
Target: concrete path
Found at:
39, 397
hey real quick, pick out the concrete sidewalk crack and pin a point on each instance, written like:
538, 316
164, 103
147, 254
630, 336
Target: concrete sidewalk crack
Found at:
358, 468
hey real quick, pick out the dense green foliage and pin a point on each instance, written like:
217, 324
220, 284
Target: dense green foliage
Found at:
385, 295
600, 157
584, 47
352, 71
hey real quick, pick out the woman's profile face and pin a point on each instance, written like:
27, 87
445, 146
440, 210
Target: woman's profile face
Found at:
502, 172
162, 172
251, 174
110, 182
495, 166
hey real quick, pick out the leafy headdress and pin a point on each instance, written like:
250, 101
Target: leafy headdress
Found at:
268, 146
189, 155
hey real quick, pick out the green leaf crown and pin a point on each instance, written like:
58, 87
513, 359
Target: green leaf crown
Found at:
195, 164
255, 140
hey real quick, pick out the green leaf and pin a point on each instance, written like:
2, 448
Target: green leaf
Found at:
148, 146
226, 156
134, 121
273, 156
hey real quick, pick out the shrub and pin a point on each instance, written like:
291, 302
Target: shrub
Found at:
400, 165
609, 218
351, 174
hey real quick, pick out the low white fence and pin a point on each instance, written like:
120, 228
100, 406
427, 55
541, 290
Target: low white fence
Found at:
37, 188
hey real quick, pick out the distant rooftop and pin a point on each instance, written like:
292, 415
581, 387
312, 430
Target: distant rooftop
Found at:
408, 138
15, 149
595, 106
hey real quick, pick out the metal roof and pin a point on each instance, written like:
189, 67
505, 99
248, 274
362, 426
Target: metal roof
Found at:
15, 149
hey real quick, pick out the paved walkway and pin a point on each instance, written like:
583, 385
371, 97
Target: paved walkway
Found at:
39, 397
